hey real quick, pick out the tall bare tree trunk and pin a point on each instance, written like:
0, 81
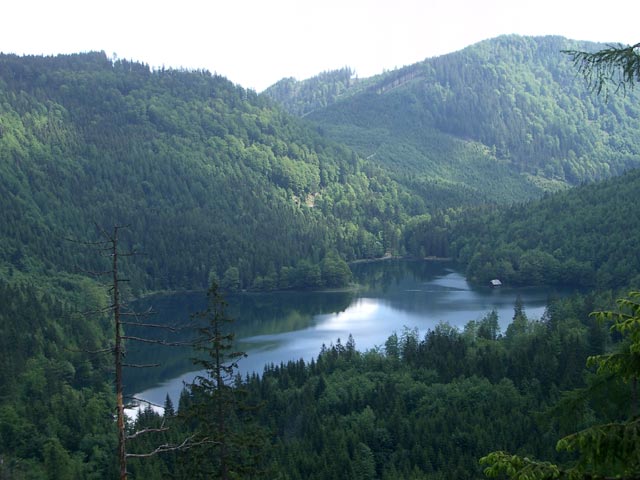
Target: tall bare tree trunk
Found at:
118, 353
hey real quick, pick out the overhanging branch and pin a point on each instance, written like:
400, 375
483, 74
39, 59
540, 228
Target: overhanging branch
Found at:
167, 447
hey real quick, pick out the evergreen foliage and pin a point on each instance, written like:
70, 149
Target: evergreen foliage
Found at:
605, 450
502, 119
211, 178
430, 404
303, 97
56, 408
585, 237
214, 409
616, 64
217, 182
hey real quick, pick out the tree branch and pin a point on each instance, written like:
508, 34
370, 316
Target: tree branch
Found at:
90, 352
140, 401
157, 342
147, 430
187, 443
616, 63
151, 325
141, 365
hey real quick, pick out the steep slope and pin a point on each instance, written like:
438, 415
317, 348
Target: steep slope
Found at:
211, 178
302, 98
505, 117
587, 236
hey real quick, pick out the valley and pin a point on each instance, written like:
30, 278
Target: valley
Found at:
498, 157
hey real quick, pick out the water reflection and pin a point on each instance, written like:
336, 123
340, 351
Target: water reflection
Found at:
283, 326
255, 314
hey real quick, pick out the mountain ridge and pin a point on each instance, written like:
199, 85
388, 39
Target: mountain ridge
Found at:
186, 158
518, 97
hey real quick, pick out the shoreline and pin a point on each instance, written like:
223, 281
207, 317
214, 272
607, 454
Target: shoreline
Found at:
430, 258
352, 287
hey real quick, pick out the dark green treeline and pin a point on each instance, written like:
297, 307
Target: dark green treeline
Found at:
421, 406
211, 178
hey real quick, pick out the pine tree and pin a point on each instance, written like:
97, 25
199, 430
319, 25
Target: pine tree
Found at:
230, 443
609, 450
618, 64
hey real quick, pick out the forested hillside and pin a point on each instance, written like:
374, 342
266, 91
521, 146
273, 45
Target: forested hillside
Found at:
215, 182
202, 170
302, 98
57, 402
211, 178
421, 406
588, 236
503, 117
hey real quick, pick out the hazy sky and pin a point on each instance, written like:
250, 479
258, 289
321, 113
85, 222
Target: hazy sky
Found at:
257, 42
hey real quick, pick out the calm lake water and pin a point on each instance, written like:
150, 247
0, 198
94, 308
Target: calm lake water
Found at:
283, 326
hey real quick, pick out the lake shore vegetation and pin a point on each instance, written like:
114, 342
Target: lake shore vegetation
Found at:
496, 156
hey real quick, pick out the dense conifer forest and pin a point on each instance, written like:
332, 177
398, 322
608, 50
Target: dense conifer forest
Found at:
185, 159
505, 117
586, 236
425, 406
498, 157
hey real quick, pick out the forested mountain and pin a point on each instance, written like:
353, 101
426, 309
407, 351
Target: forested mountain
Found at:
588, 236
302, 98
189, 159
503, 117
217, 182
211, 178
213, 182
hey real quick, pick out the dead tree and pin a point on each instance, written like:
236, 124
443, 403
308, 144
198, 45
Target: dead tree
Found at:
110, 247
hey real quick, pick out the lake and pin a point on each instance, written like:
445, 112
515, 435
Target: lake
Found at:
282, 326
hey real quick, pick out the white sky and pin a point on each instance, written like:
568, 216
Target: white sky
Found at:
257, 42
